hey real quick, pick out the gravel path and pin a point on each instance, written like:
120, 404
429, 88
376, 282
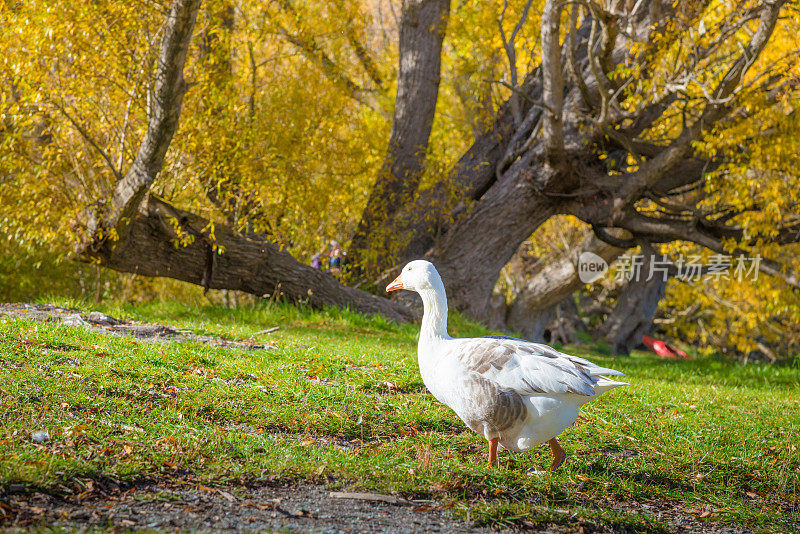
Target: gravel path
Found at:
297, 507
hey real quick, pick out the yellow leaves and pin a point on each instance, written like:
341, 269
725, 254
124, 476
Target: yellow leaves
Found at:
728, 313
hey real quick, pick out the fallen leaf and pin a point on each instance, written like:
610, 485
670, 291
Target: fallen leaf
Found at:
583, 478
227, 495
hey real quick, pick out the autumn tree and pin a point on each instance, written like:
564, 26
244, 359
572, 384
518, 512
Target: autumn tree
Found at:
665, 123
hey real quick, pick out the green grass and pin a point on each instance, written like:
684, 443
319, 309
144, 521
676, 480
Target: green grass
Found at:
341, 400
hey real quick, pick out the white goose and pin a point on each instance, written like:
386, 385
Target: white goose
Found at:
515, 393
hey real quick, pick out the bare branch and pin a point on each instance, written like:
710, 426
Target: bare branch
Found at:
572, 60
656, 230
89, 139
328, 67
364, 58
314, 52
511, 54
603, 234
147, 64
553, 83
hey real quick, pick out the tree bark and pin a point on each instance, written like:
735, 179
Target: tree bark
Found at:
530, 180
249, 263
566, 323
433, 212
477, 247
422, 30
565, 172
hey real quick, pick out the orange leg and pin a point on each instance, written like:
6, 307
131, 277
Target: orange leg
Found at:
559, 454
493, 461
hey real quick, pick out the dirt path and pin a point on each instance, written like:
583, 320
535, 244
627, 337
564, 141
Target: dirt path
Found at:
101, 322
184, 504
294, 507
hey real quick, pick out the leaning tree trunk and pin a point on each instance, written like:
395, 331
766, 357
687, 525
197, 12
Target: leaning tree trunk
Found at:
507, 184
554, 161
434, 210
249, 263
422, 30
632, 317
477, 247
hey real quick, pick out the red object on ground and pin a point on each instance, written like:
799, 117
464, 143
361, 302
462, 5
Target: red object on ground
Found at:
662, 348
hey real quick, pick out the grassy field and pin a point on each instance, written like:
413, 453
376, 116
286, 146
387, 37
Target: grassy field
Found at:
341, 401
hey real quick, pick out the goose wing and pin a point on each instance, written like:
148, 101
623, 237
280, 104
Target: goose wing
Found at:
530, 368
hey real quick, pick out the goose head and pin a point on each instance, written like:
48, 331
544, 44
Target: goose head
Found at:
418, 275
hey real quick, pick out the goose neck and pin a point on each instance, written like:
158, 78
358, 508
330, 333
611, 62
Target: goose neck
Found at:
434, 317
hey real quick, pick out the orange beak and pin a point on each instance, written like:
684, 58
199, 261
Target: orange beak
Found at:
396, 284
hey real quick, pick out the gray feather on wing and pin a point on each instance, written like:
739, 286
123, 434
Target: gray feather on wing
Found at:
529, 368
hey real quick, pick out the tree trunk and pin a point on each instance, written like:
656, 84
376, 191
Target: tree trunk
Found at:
633, 314
168, 90
555, 282
249, 263
530, 180
422, 30
535, 324
477, 247
566, 323
434, 210
498, 309
563, 172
